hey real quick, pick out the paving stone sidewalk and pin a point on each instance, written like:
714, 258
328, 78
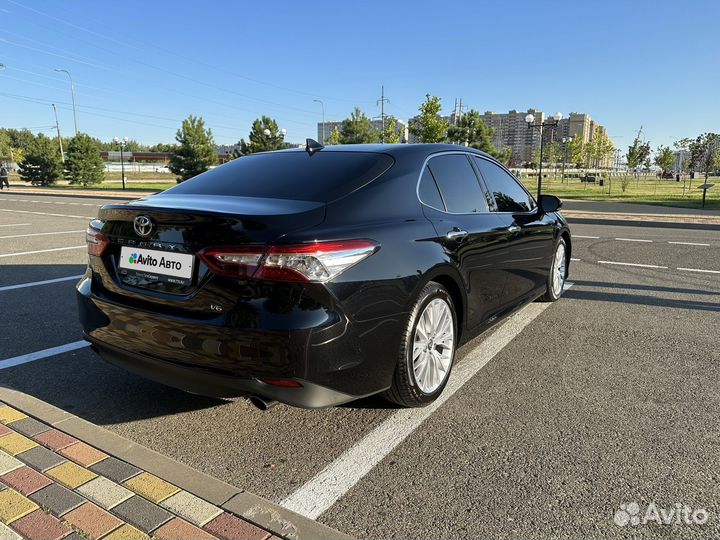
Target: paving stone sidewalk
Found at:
55, 486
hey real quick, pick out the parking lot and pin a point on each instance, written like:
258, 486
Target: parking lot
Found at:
551, 421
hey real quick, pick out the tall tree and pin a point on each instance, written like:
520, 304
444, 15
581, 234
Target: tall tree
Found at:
357, 129
83, 163
665, 159
576, 151
429, 126
392, 134
602, 148
334, 137
41, 165
196, 150
472, 131
637, 154
259, 141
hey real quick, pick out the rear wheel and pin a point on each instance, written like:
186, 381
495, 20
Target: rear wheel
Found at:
427, 350
558, 273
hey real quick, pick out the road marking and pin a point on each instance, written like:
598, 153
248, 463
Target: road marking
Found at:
633, 264
688, 243
45, 214
576, 260
581, 236
36, 283
41, 251
699, 270
324, 489
16, 225
39, 355
632, 240
39, 234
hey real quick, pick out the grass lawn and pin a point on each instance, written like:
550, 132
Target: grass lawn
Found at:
664, 192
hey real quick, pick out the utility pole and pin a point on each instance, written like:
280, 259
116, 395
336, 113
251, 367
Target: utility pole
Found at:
57, 127
381, 102
72, 92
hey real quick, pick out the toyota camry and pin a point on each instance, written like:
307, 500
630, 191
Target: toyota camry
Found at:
321, 275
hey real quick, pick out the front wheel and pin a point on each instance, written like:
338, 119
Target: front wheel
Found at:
427, 350
558, 273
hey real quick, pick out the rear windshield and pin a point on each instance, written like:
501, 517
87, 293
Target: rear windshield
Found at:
322, 177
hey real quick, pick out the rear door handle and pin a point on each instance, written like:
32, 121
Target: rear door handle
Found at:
456, 234
513, 228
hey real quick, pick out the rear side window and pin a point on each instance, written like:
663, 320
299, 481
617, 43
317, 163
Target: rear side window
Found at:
428, 191
322, 177
509, 195
458, 184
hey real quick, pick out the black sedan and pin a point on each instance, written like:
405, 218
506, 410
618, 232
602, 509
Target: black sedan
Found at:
315, 277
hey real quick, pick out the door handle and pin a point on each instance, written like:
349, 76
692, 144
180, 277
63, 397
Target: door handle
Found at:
456, 234
513, 228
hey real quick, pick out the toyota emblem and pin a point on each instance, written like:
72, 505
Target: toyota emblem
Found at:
143, 226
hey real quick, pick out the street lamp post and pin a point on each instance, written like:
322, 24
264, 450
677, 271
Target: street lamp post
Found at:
72, 92
322, 105
554, 121
122, 142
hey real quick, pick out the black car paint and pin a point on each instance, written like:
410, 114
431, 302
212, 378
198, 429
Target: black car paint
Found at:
340, 338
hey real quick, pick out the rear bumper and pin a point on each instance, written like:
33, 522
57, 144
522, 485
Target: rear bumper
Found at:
198, 381
314, 343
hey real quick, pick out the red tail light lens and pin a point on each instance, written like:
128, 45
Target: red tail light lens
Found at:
283, 383
96, 241
316, 262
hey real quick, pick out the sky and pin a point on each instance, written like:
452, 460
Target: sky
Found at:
141, 67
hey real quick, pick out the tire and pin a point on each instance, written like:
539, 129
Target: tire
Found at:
557, 274
417, 390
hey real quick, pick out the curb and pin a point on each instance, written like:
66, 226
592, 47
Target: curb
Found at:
634, 223
85, 195
261, 512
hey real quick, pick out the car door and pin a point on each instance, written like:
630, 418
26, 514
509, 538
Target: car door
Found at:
472, 236
530, 232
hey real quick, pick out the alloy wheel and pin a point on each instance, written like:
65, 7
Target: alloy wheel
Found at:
434, 345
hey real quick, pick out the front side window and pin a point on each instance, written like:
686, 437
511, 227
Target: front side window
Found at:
509, 195
458, 184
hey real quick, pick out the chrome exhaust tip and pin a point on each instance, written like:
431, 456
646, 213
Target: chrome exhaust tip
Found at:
262, 403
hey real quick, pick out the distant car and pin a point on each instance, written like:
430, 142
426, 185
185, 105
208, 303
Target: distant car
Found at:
319, 276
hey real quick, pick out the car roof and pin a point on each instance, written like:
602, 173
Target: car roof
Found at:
404, 150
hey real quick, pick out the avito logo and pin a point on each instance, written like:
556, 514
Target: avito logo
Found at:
149, 260
134, 258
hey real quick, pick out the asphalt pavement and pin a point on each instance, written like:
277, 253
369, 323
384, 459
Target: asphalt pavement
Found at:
607, 397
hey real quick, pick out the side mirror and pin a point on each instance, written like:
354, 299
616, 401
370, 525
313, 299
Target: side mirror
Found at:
549, 203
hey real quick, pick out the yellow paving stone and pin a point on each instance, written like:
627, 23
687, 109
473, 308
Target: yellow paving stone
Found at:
126, 532
13, 506
8, 414
14, 443
151, 487
70, 474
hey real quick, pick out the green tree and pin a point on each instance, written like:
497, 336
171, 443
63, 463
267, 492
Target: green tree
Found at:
195, 152
334, 137
41, 165
665, 159
392, 134
472, 131
602, 148
357, 129
162, 147
576, 151
5, 145
429, 126
83, 164
259, 141
637, 153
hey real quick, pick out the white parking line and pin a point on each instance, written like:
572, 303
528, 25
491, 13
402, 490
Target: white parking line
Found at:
36, 283
576, 260
699, 270
16, 225
84, 246
40, 234
324, 489
39, 355
633, 264
581, 236
633, 240
45, 214
688, 243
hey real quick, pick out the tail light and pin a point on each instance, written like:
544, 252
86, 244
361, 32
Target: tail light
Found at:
316, 262
96, 241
